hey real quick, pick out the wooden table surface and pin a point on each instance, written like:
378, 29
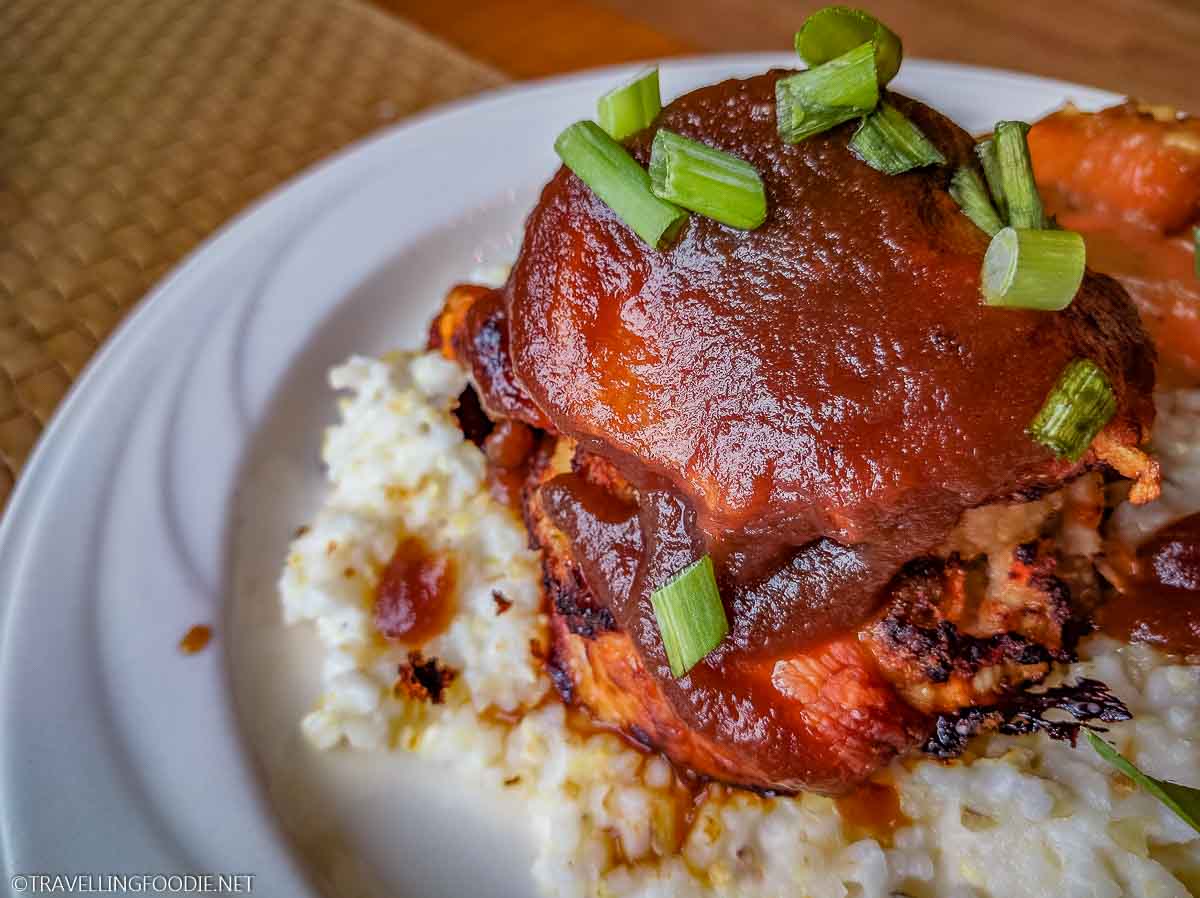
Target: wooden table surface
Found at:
1145, 48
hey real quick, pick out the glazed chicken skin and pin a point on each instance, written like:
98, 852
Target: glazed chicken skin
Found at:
819, 405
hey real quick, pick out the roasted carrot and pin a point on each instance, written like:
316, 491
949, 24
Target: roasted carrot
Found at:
1135, 162
1128, 179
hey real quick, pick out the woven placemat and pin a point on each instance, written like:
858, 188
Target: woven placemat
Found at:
130, 129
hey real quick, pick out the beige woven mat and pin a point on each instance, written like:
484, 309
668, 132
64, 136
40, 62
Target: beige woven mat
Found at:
130, 129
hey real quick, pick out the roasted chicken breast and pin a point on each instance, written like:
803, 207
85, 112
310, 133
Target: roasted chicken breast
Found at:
824, 406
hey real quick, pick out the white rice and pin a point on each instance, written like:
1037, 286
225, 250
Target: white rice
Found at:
398, 466
1021, 817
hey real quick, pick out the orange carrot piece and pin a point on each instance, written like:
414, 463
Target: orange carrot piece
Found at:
1141, 164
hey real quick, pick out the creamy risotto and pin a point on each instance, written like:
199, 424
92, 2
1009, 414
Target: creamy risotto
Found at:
1014, 817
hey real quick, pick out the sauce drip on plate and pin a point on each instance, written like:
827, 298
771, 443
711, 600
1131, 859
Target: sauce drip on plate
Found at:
196, 639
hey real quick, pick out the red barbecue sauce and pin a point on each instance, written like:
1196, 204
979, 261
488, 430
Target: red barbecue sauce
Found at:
1161, 601
196, 639
872, 811
508, 448
414, 598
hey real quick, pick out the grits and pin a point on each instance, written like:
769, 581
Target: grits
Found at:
1017, 817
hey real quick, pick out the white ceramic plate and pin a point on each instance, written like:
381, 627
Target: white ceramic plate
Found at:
166, 489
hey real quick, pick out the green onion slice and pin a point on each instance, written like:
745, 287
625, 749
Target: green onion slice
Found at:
1022, 203
830, 32
821, 98
623, 185
1025, 269
1076, 409
971, 194
631, 107
715, 184
1184, 801
889, 142
986, 151
691, 618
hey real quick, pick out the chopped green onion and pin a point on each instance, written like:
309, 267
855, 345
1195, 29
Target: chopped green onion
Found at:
889, 142
691, 618
628, 109
1022, 203
1184, 801
830, 32
1076, 409
623, 185
821, 98
708, 181
986, 151
971, 194
1025, 269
